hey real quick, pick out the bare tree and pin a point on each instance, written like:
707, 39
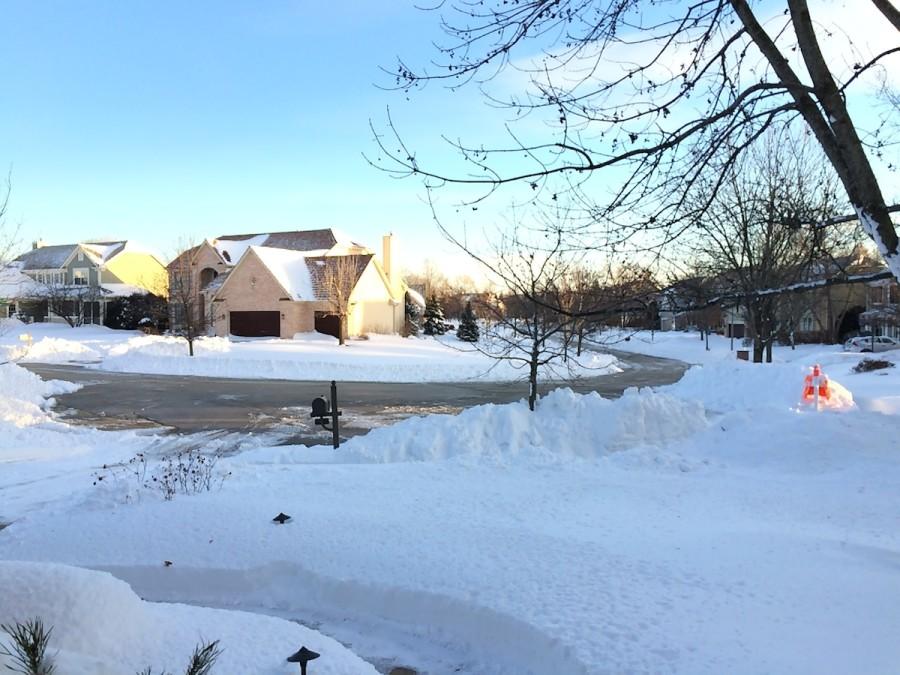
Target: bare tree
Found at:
7, 234
186, 301
746, 239
526, 331
339, 276
73, 303
641, 97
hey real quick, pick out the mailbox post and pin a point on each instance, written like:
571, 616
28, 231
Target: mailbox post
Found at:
322, 410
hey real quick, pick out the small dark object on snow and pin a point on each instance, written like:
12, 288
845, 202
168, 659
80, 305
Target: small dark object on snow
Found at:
281, 518
167, 563
868, 365
303, 656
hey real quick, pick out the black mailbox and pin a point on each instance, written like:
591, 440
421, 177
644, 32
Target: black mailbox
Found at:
322, 411
319, 407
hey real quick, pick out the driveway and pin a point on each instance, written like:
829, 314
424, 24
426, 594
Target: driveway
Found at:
191, 404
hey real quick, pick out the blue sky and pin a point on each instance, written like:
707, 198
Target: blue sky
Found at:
162, 120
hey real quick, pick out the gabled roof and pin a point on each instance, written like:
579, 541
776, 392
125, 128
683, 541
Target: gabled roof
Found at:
47, 257
232, 246
56, 257
321, 266
290, 270
14, 284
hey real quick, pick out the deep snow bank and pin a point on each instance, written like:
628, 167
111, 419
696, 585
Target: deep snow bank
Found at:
563, 425
60, 350
25, 397
100, 626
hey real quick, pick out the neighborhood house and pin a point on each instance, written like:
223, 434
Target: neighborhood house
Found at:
75, 282
283, 283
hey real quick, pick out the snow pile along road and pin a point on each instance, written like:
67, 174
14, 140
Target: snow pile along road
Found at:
101, 627
60, 350
25, 397
564, 426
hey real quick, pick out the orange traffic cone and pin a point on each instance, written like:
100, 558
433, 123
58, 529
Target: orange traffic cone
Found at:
815, 386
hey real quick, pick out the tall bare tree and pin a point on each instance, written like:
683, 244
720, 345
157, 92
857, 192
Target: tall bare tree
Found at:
338, 279
7, 234
750, 237
186, 303
640, 97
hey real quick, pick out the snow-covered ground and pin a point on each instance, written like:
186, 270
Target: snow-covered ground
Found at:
310, 356
713, 526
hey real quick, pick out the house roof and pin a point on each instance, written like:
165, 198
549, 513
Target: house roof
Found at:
321, 266
290, 269
46, 257
55, 257
14, 284
299, 240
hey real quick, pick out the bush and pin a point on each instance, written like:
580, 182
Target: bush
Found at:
148, 312
203, 659
868, 365
29, 648
186, 472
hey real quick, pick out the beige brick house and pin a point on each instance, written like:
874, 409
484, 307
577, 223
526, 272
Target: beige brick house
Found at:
279, 284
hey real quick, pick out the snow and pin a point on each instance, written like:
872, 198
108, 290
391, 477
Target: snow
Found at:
14, 283
712, 526
232, 250
290, 269
101, 627
309, 356
508, 433
416, 297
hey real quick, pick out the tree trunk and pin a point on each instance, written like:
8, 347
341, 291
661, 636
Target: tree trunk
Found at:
190, 346
533, 376
342, 339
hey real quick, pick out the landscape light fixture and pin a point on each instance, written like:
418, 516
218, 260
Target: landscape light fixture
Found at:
303, 656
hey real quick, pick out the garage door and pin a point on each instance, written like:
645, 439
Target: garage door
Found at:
256, 324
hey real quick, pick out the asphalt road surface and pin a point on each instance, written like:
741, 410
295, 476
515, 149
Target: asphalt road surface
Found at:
191, 404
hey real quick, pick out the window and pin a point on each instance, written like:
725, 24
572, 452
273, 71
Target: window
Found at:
80, 277
80, 256
806, 324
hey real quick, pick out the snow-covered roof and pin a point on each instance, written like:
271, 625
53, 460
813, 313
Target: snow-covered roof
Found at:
232, 250
311, 242
14, 284
98, 252
46, 257
289, 268
103, 251
123, 290
416, 297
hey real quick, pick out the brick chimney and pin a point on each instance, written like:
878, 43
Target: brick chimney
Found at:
36, 244
387, 245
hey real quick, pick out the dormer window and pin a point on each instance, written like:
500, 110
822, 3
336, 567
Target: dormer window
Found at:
80, 277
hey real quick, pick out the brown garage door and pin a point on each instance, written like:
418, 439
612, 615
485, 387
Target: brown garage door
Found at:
256, 324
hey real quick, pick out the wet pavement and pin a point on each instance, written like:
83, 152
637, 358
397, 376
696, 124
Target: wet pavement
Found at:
185, 404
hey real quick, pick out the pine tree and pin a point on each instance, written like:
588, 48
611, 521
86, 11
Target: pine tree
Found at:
468, 325
434, 317
413, 317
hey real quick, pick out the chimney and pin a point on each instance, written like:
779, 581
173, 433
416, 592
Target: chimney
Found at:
387, 244
38, 243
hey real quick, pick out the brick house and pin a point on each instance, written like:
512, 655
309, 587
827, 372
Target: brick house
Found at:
274, 285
